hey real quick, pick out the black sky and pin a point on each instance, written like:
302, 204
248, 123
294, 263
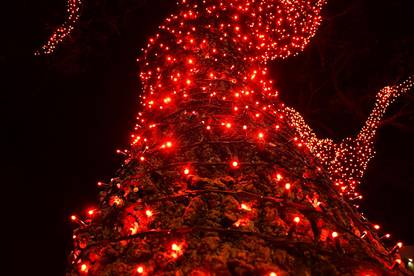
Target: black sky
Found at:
64, 116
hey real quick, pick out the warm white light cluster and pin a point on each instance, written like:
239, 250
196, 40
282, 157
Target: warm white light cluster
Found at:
61, 32
347, 161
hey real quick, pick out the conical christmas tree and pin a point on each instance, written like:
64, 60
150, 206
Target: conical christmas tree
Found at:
221, 178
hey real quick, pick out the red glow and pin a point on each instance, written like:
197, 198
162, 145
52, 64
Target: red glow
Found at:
140, 269
241, 222
134, 228
279, 177
73, 217
235, 164
167, 100
296, 219
245, 207
398, 261
84, 268
167, 144
91, 212
149, 213
186, 171
175, 247
287, 186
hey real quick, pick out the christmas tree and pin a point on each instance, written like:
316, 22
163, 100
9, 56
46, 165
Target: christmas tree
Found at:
222, 178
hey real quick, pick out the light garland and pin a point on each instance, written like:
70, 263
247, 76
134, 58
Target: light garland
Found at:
346, 162
207, 102
64, 30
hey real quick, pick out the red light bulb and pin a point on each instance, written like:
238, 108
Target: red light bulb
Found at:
149, 213
279, 177
167, 100
140, 269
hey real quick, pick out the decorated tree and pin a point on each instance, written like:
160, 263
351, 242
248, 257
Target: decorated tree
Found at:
221, 178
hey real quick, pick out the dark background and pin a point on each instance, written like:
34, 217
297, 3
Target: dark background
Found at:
64, 115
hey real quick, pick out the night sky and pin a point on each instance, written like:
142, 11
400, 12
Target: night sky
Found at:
63, 116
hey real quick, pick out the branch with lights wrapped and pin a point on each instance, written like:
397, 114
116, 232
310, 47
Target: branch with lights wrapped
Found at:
346, 162
64, 30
